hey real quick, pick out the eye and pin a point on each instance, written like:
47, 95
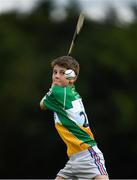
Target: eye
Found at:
62, 72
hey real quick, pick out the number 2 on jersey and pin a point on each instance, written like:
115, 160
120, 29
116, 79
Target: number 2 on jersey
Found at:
85, 124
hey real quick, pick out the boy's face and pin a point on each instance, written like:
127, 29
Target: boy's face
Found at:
58, 76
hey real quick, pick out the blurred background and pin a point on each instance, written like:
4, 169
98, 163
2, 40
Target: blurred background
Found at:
32, 33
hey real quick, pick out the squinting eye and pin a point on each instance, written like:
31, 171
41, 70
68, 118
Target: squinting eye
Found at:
62, 73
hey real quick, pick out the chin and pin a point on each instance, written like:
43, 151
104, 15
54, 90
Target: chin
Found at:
57, 84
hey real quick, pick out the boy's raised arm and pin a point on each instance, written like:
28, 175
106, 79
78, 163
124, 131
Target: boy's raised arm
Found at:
41, 104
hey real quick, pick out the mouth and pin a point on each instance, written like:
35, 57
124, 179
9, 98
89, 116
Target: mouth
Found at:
56, 82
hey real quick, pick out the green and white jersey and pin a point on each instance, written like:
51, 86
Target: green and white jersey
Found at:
70, 118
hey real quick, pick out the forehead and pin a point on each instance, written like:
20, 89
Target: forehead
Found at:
59, 68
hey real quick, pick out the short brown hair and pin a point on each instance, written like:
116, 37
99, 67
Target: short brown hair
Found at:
67, 62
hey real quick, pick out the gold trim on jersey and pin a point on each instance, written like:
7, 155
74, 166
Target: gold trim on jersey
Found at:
74, 145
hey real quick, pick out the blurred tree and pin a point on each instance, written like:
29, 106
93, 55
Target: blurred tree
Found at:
134, 10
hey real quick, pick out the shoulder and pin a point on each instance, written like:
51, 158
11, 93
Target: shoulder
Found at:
54, 90
61, 91
57, 90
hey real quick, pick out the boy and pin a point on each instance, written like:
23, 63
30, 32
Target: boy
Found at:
86, 161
